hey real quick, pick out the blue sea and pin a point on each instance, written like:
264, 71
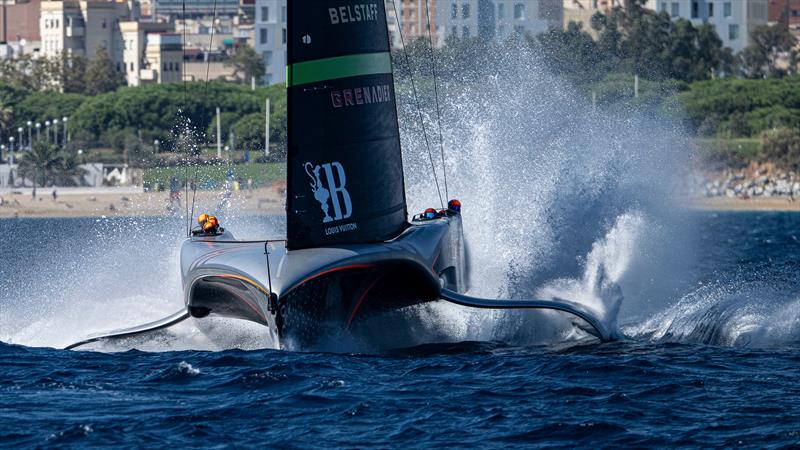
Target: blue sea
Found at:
715, 362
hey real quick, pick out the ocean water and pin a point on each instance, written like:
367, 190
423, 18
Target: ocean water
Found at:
711, 358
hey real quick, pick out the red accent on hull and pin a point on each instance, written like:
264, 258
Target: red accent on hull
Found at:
361, 300
325, 272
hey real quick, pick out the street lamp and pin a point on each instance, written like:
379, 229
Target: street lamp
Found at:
64, 119
2, 150
47, 130
11, 151
30, 144
155, 145
55, 131
19, 130
38, 134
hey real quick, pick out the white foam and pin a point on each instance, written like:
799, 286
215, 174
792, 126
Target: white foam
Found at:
554, 194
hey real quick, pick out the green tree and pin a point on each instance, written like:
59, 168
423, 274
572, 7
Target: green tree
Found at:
249, 132
40, 106
782, 146
743, 106
6, 118
246, 64
68, 171
737, 125
73, 73
27, 72
770, 44
101, 76
571, 53
158, 107
636, 40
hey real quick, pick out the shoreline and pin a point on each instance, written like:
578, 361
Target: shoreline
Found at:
129, 202
776, 204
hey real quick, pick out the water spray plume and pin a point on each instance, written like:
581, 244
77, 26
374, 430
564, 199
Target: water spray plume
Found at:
562, 201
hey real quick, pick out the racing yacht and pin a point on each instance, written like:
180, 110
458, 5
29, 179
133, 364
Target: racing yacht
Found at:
350, 251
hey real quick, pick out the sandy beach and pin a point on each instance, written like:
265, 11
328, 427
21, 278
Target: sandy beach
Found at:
739, 204
126, 202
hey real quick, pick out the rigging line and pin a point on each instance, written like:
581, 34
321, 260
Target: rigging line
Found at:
416, 101
208, 69
436, 97
186, 166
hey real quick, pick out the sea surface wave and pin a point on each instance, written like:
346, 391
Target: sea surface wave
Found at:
716, 364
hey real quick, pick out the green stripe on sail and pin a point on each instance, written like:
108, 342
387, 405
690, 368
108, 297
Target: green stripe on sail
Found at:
338, 67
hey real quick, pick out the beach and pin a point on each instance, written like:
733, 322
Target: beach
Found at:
784, 204
129, 202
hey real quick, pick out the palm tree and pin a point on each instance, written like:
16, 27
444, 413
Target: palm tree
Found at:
68, 172
46, 164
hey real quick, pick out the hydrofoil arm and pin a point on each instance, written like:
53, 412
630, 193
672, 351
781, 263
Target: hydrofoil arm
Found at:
598, 328
166, 322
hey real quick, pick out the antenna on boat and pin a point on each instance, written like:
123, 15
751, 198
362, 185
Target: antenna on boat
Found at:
436, 96
416, 102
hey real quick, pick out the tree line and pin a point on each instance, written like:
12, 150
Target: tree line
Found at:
66, 73
131, 119
681, 67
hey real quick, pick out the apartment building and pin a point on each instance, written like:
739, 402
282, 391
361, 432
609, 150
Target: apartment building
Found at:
19, 27
146, 52
247, 9
413, 15
175, 9
497, 19
163, 58
788, 10
151, 53
734, 20
581, 11
80, 28
270, 38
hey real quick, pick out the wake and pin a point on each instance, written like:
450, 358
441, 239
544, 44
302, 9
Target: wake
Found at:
729, 314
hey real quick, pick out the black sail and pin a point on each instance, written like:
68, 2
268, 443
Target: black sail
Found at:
345, 173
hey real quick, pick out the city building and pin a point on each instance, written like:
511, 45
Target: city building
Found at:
581, 11
270, 37
146, 52
19, 27
247, 10
152, 54
175, 9
734, 20
81, 28
163, 58
788, 10
413, 15
497, 19
146, 8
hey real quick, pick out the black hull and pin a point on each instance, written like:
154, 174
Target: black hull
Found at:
312, 294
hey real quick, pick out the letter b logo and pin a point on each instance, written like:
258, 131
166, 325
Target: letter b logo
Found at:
336, 184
